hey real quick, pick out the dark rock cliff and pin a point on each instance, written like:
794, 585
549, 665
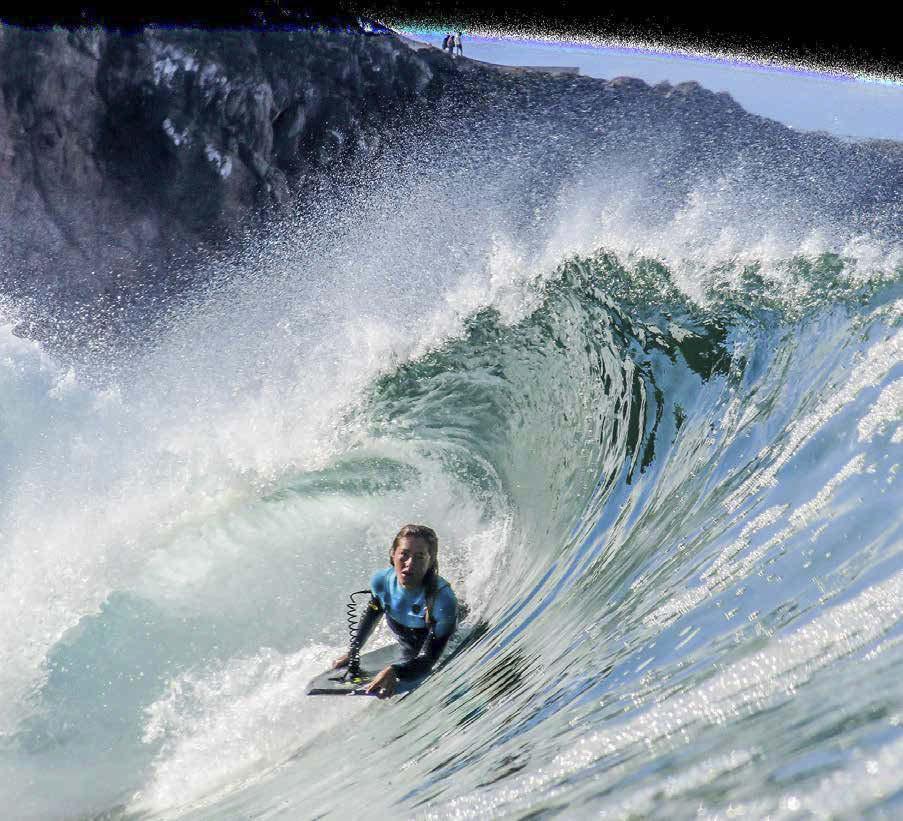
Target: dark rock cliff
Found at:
119, 153
125, 158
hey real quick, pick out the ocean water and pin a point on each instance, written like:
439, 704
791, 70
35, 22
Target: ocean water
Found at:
660, 441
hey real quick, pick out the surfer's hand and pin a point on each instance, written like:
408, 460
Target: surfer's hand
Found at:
383, 685
341, 661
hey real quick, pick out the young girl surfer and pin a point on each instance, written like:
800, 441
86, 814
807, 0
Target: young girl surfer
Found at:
419, 605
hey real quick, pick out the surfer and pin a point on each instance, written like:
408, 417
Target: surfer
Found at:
419, 605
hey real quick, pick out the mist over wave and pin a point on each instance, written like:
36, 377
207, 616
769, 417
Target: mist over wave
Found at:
655, 423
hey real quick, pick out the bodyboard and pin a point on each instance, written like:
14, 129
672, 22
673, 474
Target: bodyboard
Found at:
333, 682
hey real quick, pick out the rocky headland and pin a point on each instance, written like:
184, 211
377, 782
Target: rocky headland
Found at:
125, 158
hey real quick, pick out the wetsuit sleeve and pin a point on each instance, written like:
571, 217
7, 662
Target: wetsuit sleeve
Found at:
445, 612
374, 610
368, 621
445, 615
417, 666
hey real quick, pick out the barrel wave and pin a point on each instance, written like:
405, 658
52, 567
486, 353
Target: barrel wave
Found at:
662, 456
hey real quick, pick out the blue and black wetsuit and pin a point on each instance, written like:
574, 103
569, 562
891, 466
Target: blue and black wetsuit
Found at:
405, 611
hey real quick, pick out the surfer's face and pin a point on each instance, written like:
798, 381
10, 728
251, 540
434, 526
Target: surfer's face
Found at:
411, 560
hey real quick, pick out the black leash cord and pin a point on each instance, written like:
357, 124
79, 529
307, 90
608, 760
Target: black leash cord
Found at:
354, 652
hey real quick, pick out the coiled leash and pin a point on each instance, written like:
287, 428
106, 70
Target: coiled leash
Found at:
353, 673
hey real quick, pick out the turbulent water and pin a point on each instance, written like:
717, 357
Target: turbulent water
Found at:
662, 456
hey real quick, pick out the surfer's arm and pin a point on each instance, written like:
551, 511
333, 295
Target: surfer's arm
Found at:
430, 652
368, 622
374, 609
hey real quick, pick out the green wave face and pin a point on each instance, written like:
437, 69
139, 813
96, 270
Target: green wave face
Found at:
680, 482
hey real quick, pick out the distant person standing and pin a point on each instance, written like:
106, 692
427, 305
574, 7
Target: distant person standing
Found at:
458, 44
445, 43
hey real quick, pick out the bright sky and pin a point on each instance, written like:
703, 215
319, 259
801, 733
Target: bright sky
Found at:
802, 99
